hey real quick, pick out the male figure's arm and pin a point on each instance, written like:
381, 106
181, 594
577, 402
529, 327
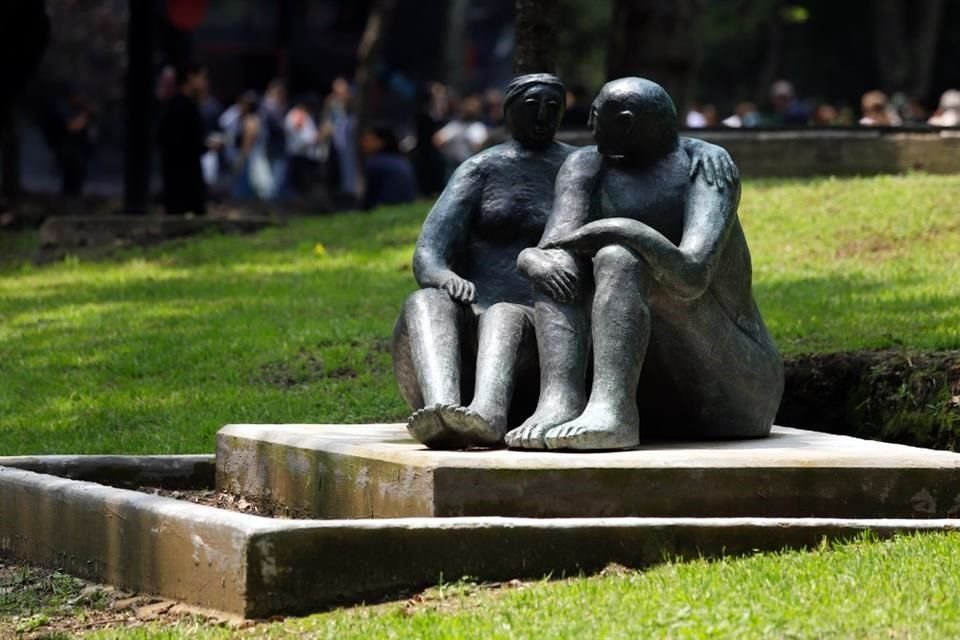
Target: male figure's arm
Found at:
554, 270
709, 216
445, 230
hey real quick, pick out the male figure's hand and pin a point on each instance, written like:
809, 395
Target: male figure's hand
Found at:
552, 271
460, 290
713, 162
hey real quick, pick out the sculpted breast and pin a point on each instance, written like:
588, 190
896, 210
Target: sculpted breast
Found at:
515, 207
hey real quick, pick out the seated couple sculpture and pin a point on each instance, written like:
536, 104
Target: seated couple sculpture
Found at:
578, 298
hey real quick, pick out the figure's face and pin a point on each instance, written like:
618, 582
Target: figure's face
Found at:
634, 120
613, 127
534, 117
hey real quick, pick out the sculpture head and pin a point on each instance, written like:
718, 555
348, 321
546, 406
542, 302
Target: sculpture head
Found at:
634, 119
533, 105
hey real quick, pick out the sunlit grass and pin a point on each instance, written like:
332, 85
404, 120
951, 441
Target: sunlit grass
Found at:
153, 350
905, 588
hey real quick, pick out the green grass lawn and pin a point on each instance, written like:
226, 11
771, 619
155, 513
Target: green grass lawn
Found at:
151, 351
905, 588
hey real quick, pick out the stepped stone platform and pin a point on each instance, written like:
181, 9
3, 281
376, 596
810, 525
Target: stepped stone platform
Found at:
378, 471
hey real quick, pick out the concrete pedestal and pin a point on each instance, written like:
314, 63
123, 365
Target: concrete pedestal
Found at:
377, 471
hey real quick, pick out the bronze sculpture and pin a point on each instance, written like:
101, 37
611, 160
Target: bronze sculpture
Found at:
464, 349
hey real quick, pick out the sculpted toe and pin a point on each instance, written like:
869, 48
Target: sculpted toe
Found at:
427, 428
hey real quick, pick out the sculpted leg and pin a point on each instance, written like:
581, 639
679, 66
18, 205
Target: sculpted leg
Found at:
503, 330
434, 323
621, 332
563, 342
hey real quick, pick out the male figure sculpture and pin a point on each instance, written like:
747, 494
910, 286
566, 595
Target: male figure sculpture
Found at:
658, 279
464, 350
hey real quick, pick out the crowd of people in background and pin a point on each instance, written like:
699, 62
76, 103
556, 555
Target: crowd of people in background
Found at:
308, 153
877, 109
266, 148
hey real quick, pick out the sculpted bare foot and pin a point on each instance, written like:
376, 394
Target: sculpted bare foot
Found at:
598, 428
427, 427
473, 427
530, 435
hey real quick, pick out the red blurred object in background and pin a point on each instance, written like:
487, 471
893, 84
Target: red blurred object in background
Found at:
186, 15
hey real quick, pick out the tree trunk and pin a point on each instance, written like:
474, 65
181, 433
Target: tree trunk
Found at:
774, 54
454, 43
378, 22
905, 57
659, 40
893, 64
925, 43
138, 107
11, 186
535, 36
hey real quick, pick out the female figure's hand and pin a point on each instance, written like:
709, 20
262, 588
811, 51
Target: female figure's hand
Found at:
460, 289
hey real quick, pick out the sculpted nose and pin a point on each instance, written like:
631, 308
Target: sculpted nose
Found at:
542, 114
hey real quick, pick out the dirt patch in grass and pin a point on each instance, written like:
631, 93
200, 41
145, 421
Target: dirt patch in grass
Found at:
307, 366
229, 502
896, 396
38, 603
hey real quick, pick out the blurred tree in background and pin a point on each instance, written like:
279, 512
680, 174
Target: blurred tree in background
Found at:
733, 50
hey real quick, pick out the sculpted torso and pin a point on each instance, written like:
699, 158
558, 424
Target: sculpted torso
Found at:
657, 197
515, 196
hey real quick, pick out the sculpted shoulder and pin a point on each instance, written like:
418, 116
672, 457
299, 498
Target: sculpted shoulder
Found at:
585, 161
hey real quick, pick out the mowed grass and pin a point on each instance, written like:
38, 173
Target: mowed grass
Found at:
905, 588
151, 351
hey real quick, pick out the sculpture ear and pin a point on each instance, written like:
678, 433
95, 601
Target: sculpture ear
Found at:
626, 119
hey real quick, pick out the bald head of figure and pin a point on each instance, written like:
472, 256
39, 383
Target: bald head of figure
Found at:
634, 119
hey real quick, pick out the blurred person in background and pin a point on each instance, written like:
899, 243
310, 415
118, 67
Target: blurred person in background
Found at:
695, 118
744, 115
825, 115
711, 116
74, 139
876, 111
273, 111
252, 176
464, 135
913, 111
182, 143
493, 105
303, 147
389, 174
433, 114
339, 127
210, 110
948, 113
786, 109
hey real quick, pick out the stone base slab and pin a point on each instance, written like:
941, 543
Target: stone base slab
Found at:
378, 471
257, 567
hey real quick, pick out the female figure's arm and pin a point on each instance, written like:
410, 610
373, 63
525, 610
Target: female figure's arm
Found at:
445, 231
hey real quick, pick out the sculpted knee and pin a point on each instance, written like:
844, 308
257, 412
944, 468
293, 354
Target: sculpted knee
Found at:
502, 311
615, 257
425, 300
